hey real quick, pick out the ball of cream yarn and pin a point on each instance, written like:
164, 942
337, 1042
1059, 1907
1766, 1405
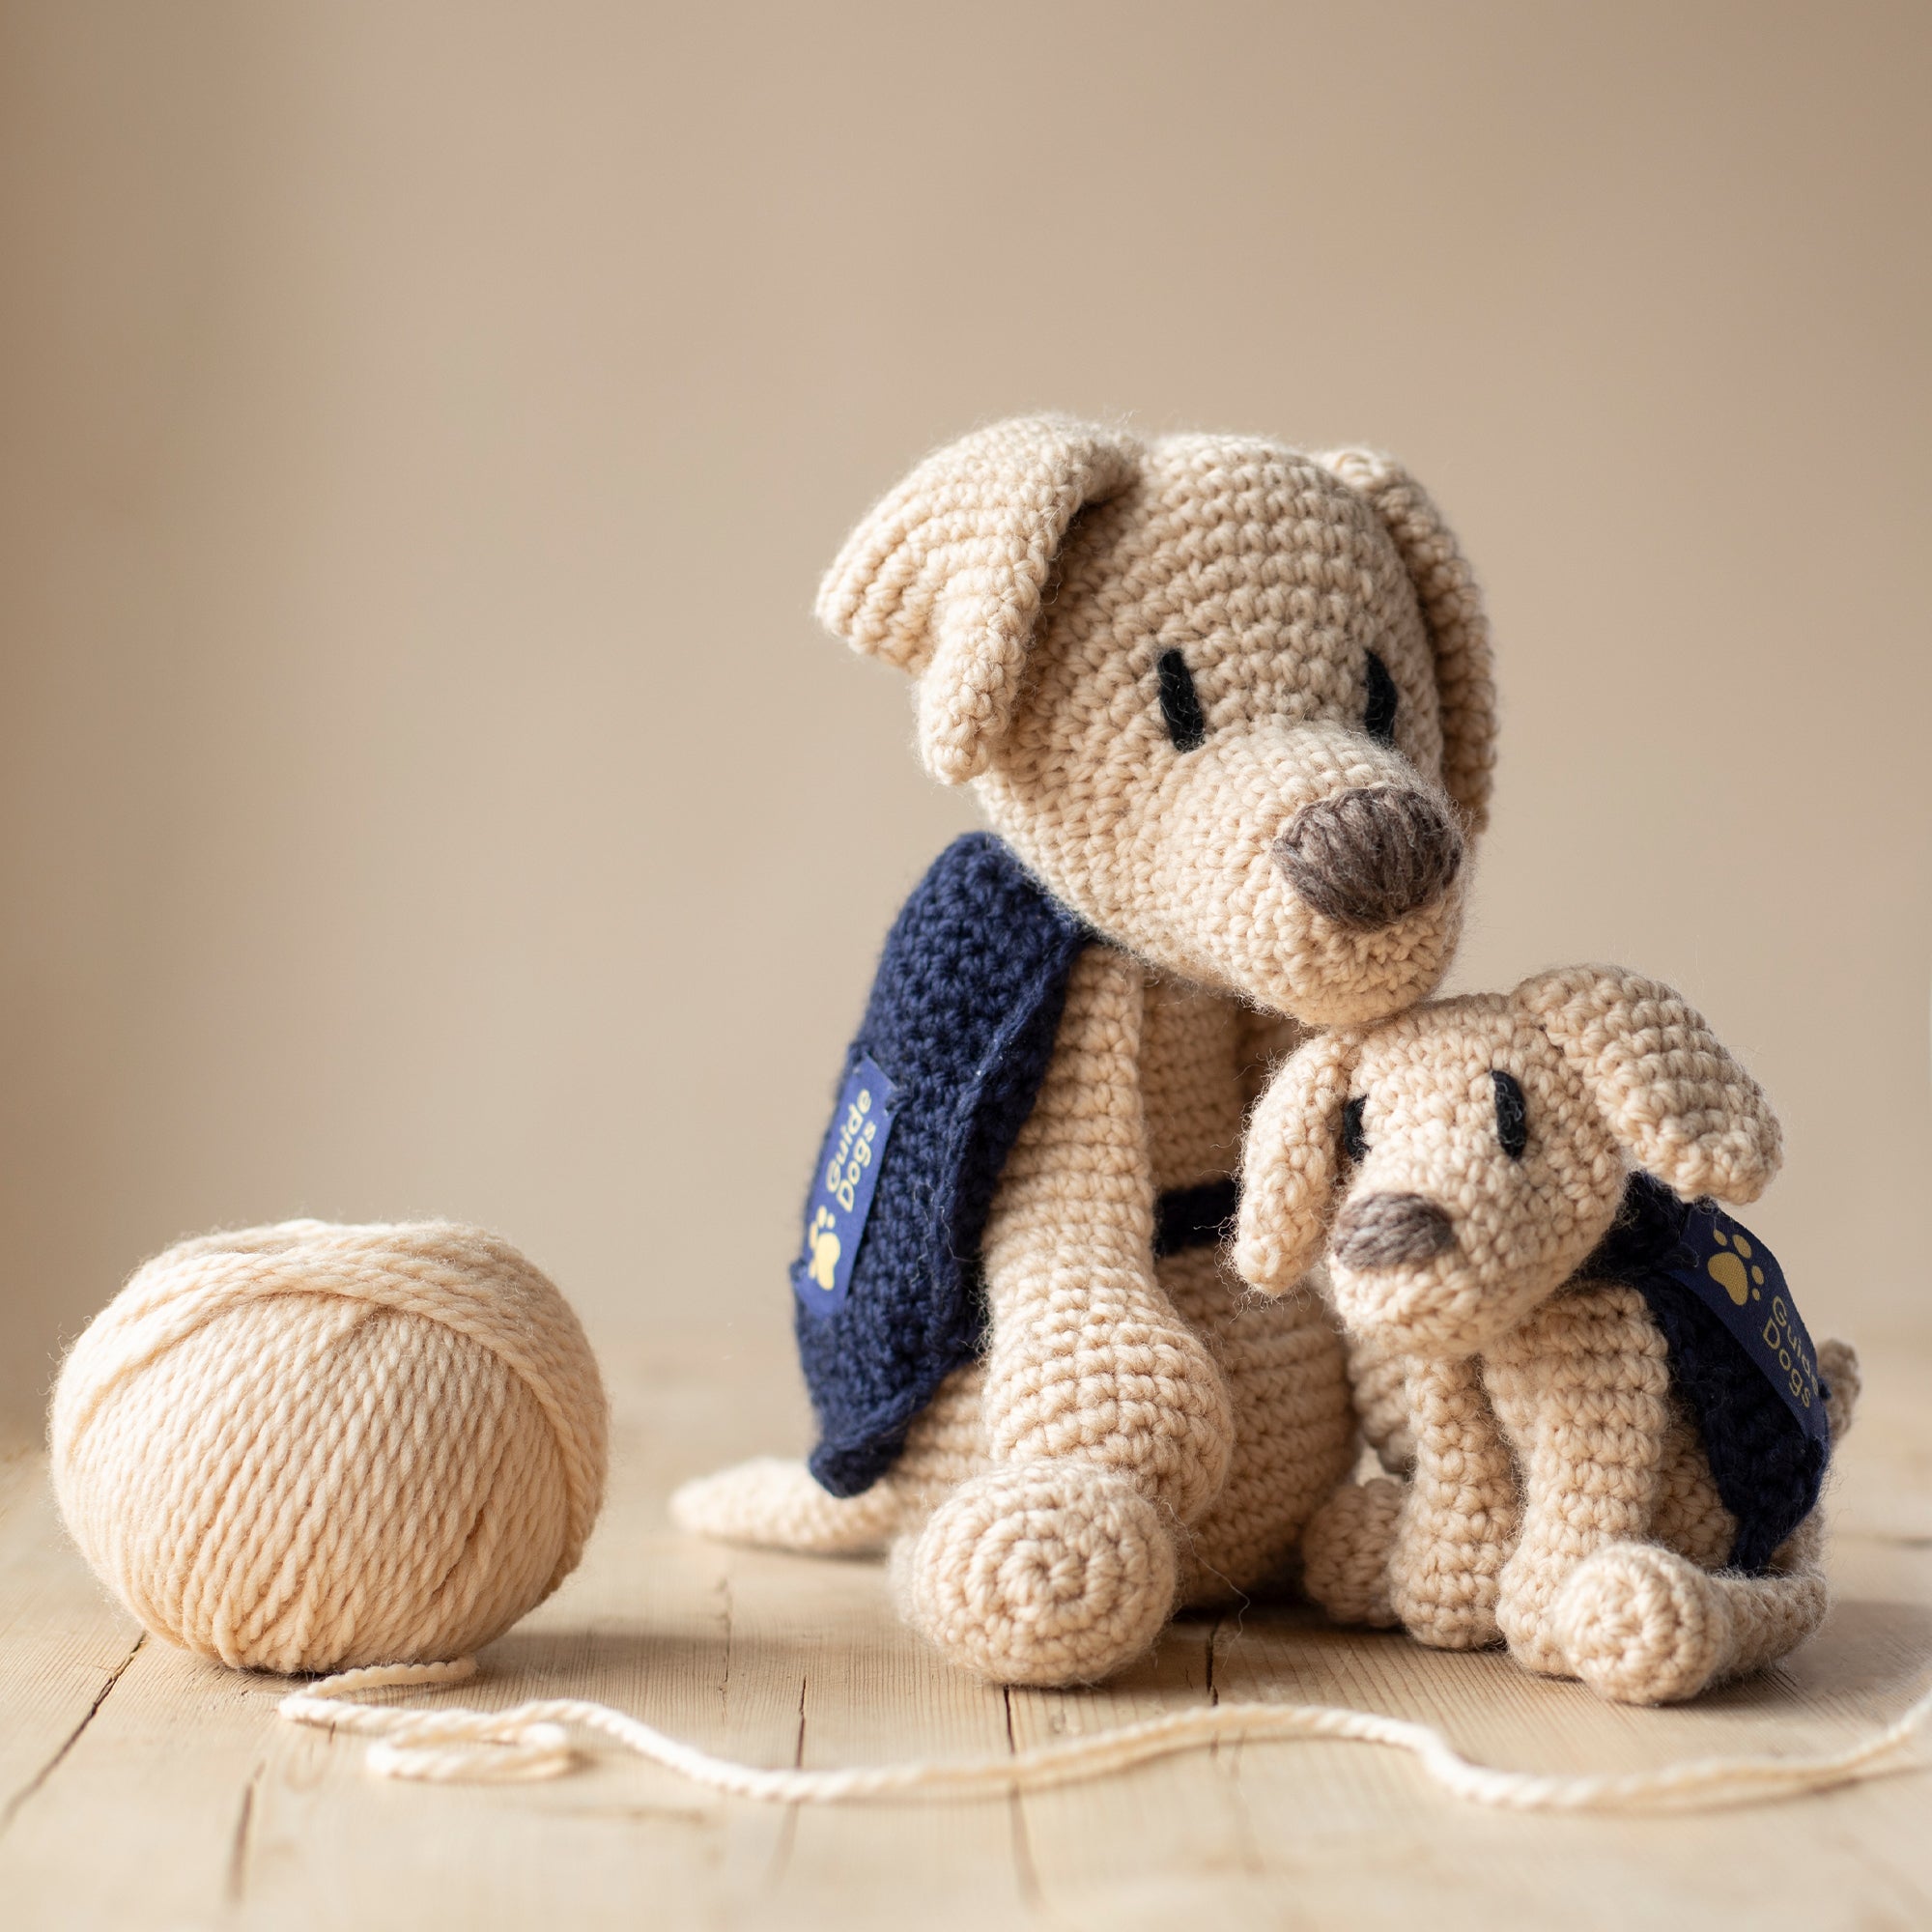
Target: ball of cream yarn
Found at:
307, 1447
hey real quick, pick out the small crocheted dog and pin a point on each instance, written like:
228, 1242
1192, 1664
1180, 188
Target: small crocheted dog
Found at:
1605, 1408
1228, 708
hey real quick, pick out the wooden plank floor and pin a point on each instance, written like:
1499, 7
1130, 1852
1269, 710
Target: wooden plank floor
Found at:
140, 1787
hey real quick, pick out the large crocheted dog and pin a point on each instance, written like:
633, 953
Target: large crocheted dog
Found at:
1595, 1386
1229, 709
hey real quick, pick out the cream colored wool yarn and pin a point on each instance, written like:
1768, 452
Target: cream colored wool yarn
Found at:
309, 1447
451, 1746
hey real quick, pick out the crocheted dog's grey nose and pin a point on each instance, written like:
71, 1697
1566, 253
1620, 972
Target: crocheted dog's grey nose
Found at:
1382, 1230
1365, 858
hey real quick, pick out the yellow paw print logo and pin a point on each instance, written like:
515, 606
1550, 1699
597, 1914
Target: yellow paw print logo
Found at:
825, 1249
1729, 1268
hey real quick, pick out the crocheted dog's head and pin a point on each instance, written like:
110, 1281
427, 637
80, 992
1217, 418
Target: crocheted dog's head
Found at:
1455, 1165
1231, 702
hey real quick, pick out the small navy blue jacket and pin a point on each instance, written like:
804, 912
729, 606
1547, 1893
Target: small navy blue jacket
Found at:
1767, 1465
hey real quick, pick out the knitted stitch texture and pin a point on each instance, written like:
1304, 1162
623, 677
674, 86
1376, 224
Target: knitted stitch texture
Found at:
1230, 705
304, 1447
1459, 1169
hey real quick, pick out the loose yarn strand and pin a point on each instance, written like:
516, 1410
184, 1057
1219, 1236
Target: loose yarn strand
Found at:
533, 1741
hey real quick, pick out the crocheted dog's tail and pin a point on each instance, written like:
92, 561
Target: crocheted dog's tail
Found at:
1838, 1369
778, 1504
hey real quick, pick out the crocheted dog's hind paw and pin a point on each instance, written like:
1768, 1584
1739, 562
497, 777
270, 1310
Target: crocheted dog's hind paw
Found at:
1041, 1573
1641, 1625
773, 1503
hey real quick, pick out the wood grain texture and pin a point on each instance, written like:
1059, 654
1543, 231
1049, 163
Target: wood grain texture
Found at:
140, 1787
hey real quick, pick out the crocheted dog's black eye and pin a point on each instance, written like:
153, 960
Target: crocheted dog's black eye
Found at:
1355, 1142
1379, 721
1180, 702
1512, 1114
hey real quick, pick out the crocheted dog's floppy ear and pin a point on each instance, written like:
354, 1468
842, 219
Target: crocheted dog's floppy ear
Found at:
1452, 607
1291, 1163
1676, 1100
943, 577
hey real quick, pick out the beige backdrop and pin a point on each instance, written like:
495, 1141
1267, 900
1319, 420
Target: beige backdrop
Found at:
423, 428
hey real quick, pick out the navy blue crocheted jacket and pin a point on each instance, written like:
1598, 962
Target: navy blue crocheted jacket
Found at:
961, 1022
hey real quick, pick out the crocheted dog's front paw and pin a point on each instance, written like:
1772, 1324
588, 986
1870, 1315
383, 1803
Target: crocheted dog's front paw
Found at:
1641, 1625
1345, 1552
1040, 1573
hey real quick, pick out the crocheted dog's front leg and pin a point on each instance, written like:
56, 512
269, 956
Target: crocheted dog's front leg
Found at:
1089, 1360
1581, 1388
1424, 1552
1106, 1416
1459, 1515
